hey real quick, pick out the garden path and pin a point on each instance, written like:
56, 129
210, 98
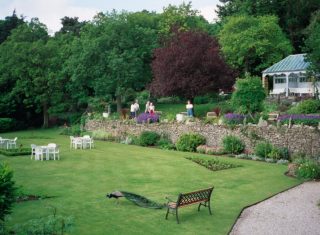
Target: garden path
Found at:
295, 212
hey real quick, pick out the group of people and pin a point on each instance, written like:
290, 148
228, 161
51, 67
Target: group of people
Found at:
134, 108
150, 108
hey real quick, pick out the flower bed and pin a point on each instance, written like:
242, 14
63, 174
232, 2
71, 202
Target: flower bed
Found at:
213, 164
147, 118
234, 118
306, 119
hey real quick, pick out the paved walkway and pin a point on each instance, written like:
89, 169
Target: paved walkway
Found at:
293, 212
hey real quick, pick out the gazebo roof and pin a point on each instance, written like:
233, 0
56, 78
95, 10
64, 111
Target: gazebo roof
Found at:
291, 63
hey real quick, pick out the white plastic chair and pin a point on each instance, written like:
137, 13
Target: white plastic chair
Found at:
72, 140
53, 150
12, 143
39, 152
33, 150
77, 142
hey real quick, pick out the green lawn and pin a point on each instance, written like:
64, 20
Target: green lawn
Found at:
199, 109
82, 178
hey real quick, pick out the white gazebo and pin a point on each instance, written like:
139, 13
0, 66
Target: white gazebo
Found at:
290, 77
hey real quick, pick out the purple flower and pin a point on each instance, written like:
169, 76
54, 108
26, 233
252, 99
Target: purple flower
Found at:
285, 117
147, 118
232, 116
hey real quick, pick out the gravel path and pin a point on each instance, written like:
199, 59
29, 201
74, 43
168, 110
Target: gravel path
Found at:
293, 212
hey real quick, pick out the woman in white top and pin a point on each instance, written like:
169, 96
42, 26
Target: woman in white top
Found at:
151, 108
189, 108
147, 107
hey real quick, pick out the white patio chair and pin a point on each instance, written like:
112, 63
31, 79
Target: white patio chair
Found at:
39, 153
33, 150
77, 142
1, 142
72, 140
53, 150
87, 143
12, 143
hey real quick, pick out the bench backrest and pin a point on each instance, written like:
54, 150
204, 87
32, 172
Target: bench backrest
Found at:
185, 199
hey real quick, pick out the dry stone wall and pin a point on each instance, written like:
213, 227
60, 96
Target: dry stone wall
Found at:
297, 138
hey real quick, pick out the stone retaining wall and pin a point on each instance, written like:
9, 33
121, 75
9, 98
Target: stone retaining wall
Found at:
297, 138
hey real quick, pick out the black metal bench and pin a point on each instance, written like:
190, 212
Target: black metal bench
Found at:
185, 199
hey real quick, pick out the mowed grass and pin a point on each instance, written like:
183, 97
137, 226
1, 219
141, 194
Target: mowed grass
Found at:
82, 178
199, 109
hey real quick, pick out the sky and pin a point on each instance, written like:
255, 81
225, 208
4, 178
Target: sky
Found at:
50, 12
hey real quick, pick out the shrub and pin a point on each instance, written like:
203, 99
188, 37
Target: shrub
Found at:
7, 190
15, 152
6, 124
148, 138
102, 135
308, 169
74, 130
263, 149
190, 142
306, 106
147, 118
249, 95
232, 144
169, 100
275, 154
201, 99
166, 143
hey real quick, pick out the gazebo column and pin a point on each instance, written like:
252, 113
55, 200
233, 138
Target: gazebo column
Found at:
287, 84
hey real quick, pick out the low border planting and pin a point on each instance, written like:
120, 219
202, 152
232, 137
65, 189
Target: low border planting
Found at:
213, 164
15, 152
305, 119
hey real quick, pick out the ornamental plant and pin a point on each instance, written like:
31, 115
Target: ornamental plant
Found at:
309, 169
234, 118
311, 120
263, 149
232, 144
148, 138
7, 190
190, 142
147, 118
249, 95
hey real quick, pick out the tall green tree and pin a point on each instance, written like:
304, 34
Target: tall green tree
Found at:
251, 44
29, 63
71, 25
8, 24
294, 15
112, 55
181, 18
313, 42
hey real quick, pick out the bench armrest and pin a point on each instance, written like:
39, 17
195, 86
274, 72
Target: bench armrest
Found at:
170, 200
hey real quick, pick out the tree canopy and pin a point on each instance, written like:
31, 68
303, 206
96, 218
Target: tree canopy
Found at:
294, 15
313, 42
189, 65
251, 44
113, 54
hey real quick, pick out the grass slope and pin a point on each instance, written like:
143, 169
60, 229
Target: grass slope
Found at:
81, 179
